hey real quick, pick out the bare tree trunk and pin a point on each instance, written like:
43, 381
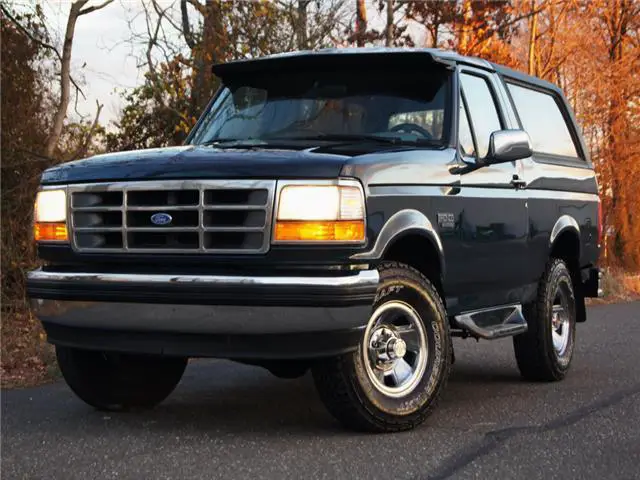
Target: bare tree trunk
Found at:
65, 83
390, 24
186, 26
361, 23
65, 72
301, 26
435, 30
206, 54
533, 33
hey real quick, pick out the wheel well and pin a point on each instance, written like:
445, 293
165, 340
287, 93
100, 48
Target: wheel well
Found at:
567, 248
420, 253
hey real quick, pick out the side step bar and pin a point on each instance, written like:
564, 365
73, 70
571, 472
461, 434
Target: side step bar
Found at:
494, 322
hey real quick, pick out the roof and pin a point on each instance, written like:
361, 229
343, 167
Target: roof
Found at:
331, 55
523, 77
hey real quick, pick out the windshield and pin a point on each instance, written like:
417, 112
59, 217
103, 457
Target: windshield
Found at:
403, 105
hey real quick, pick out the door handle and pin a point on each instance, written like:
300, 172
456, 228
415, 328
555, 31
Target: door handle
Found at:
517, 182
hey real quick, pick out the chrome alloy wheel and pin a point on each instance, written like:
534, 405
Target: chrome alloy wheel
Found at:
395, 349
560, 322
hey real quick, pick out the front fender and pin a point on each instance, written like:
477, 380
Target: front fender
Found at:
403, 223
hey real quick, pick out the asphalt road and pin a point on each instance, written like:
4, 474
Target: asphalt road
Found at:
232, 421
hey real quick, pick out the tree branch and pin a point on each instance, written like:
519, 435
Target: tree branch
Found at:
186, 27
42, 43
93, 9
202, 9
84, 146
168, 18
28, 34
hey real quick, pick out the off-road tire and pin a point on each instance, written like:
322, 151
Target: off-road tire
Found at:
118, 381
347, 391
535, 354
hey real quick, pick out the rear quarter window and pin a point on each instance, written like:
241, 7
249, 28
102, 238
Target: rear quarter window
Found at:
542, 119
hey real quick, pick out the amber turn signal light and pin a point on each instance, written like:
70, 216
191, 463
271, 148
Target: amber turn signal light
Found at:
50, 232
338, 231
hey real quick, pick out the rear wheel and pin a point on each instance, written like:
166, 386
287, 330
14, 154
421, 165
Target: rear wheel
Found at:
394, 379
545, 351
118, 381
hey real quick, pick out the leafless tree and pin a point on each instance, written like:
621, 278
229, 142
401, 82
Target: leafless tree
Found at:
76, 11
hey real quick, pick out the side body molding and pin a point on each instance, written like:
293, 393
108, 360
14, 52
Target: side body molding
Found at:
402, 223
564, 223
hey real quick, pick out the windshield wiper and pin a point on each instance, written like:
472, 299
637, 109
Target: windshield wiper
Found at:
245, 142
328, 137
348, 137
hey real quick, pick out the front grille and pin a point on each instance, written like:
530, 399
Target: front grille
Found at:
208, 216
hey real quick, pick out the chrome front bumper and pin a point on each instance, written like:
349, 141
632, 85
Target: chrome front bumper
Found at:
158, 306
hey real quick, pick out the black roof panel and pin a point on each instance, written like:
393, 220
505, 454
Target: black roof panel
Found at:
524, 78
304, 57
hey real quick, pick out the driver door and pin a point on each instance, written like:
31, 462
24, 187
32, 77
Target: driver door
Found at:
494, 225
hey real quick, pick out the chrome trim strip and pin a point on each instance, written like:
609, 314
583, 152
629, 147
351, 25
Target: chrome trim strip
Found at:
104, 209
362, 278
470, 190
125, 221
233, 207
97, 229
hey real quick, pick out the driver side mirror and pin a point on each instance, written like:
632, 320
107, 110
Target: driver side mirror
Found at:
508, 146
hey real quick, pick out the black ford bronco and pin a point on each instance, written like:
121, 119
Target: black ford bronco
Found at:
344, 211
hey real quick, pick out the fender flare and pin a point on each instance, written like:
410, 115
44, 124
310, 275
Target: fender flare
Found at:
566, 223
563, 224
399, 225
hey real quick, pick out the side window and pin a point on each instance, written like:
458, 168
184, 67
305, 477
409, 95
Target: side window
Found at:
465, 138
482, 110
542, 119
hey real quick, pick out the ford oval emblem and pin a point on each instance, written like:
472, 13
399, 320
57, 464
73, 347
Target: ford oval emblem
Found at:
161, 219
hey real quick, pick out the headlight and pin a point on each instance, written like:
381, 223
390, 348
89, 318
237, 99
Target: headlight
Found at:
50, 216
322, 212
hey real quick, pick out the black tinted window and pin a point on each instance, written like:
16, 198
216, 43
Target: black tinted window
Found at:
406, 105
482, 110
542, 119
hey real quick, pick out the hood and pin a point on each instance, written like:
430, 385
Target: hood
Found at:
200, 162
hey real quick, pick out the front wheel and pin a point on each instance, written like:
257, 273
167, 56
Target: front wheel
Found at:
118, 381
545, 351
393, 381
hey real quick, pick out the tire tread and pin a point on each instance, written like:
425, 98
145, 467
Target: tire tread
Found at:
531, 348
146, 382
333, 378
